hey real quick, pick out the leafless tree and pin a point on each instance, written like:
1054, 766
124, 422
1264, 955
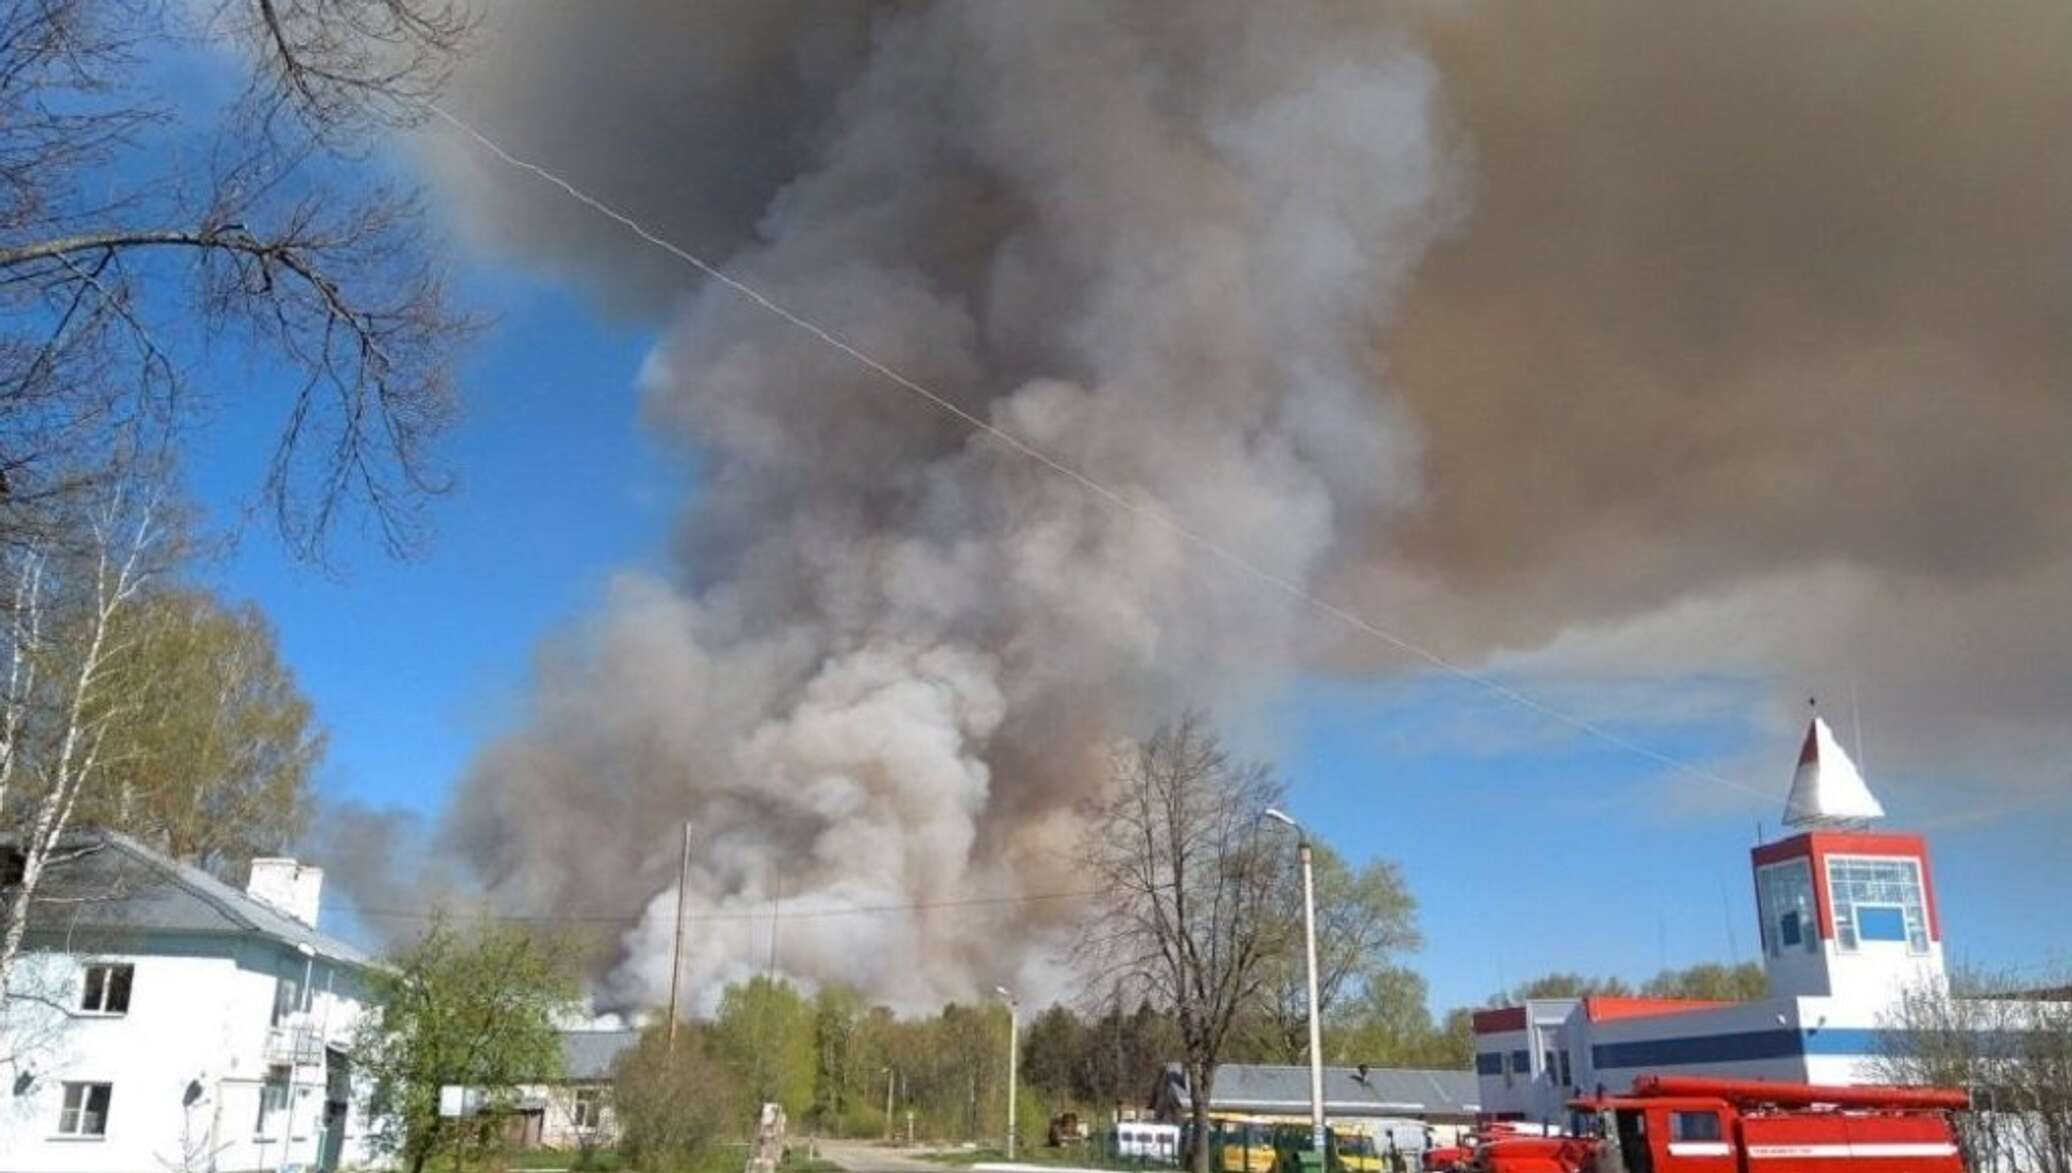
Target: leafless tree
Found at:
133, 242
1189, 882
2009, 1044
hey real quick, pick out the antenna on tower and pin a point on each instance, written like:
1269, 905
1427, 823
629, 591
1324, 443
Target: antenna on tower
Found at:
1863, 761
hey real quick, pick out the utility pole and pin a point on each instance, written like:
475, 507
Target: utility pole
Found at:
1309, 935
683, 885
1014, 1042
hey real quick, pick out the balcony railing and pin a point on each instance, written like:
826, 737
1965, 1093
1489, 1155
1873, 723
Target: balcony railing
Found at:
296, 1043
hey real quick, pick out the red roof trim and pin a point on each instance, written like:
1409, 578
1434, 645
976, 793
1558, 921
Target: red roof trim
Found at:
1608, 1009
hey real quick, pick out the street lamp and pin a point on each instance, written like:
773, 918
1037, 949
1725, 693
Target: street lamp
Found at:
1014, 1039
1309, 935
889, 1077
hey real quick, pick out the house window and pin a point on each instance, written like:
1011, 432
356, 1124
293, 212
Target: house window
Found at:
86, 1110
589, 1113
1877, 900
273, 1098
1566, 1079
1694, 1126
287, 999
107, 989
1785, 893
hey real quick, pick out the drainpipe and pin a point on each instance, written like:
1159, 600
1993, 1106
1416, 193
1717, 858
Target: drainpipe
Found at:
309, 960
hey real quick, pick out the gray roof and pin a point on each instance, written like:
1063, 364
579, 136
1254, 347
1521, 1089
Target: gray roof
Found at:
1383, 1091
112, 883
587, 1055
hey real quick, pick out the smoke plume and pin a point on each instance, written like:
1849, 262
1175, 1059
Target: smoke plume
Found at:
1755, 359
1152, 241
1604, 339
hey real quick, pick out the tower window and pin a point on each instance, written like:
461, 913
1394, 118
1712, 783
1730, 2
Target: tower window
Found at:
1785, 893
1877, 900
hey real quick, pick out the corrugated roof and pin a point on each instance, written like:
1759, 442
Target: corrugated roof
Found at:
1382, 1091
117, 884
588, 1054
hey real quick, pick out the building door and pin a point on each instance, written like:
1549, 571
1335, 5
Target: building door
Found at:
332, 1140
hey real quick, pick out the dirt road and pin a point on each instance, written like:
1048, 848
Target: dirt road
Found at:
863, 1157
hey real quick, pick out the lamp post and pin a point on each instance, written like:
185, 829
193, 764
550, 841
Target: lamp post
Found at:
1014, 1041
889, 1077
1309, 937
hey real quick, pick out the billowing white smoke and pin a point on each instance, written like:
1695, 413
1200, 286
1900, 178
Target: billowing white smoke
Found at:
1152, 241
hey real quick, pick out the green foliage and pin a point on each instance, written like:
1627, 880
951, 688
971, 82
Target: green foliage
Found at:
473, 1009
1562, 985
673, 1103
1725, 983
1391, 1025
213, 758
1366, 920
1745, 982
765, 1033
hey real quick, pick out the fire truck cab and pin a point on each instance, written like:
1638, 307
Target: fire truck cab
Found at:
1689, 1125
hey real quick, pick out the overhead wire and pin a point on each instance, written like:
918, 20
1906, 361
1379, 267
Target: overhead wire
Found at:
789, 913
1140, 505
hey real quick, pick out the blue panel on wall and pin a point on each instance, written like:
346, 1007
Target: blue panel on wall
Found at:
1880, 922
1730, 1048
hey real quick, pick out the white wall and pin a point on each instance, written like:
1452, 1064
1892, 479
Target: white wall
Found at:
198, 1015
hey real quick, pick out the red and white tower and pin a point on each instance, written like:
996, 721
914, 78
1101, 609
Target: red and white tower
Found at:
1846, 912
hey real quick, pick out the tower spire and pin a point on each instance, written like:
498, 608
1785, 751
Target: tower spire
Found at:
1828, 790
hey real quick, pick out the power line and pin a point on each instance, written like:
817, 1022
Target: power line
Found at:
419, 914
1141, 505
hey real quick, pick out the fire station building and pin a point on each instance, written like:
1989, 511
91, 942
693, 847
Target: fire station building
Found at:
1848, 920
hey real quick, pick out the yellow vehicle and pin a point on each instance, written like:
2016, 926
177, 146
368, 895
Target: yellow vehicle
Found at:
1245, 1142
1248, 1144
1356, 1151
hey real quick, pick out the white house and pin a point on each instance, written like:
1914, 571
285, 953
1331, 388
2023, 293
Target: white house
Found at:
575, 1111
165, 1020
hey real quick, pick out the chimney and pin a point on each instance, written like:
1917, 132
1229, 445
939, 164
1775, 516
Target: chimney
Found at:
289, 887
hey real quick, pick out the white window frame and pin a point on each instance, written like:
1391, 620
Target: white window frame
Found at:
1772, 916
77, 1105
274, 1091
107, 970
1851, 943
287, 999
586, 1111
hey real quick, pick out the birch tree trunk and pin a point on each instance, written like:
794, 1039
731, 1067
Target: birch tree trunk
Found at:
64, 691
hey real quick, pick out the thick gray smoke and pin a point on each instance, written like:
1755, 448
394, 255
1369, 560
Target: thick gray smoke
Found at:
1755, 359
1750, 355
1151, 240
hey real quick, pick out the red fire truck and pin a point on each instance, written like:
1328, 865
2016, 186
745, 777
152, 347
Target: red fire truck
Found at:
1675, 1124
